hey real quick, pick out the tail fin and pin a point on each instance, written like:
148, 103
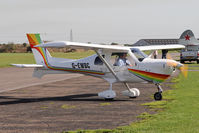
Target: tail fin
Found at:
188, 38
41, 55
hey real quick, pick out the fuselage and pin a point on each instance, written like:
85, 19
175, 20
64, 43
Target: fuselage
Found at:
150, 70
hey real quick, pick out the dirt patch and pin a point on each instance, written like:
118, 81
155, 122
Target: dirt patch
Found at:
70, 105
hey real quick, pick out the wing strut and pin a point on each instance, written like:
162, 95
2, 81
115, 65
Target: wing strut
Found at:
107, 65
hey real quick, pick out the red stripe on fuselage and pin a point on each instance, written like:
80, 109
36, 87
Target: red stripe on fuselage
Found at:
162, 76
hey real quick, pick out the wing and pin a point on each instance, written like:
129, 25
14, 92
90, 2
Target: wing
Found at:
160, 47
63, 44
113, 48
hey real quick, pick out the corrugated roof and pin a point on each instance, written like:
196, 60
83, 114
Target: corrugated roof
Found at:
144, 42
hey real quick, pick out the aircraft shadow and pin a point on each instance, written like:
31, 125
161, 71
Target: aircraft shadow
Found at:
79, 97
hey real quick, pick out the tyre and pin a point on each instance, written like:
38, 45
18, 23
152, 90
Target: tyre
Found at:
137, 92
108, 99
158, 96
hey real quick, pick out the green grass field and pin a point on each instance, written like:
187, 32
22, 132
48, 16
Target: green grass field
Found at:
27, 58
178, 113
193, 66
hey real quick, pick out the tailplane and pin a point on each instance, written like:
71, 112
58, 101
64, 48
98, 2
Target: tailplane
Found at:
188, 38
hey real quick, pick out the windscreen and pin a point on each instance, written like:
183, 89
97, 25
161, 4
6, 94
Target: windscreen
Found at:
139, 54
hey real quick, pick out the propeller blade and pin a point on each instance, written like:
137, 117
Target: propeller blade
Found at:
184, 70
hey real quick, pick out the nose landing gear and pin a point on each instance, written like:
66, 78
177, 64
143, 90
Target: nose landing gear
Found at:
158, 95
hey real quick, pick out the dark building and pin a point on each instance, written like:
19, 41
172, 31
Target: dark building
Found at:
144, 42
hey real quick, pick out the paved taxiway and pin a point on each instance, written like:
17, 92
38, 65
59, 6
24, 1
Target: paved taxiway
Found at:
56, 105
15, 78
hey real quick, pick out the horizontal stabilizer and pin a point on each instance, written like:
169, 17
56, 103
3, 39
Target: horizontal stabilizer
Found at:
28, 65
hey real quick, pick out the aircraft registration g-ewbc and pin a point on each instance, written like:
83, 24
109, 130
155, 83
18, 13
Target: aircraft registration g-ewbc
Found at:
141, 68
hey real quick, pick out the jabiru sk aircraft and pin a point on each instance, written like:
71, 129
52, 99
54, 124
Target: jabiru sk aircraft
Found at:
143, 69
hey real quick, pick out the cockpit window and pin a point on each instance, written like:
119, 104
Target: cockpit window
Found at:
139, 54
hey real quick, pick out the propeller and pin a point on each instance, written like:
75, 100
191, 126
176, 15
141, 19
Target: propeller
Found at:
184, 70
182, 67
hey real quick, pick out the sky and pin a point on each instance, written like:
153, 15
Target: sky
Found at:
97, 21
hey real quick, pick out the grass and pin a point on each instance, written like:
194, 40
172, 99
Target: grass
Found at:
192, 64
19, 58
105, 104
178, 114
27, 58
157, 104
44, 107
65, 106
193, 68
73, 55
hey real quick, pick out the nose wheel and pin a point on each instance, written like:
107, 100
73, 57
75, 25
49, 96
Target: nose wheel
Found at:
158, 95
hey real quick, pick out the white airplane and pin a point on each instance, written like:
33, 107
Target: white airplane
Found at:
143, 69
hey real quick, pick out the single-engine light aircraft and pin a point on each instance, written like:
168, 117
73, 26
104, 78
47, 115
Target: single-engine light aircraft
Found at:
140, 69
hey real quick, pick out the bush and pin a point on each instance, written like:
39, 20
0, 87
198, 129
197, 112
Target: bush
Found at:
24, 44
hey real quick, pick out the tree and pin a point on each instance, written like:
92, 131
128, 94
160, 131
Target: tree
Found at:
24, 44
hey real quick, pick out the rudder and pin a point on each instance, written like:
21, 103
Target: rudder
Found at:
188, 38
41, 55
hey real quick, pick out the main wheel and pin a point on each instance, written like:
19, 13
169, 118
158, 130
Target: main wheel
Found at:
197, 61
158, 96
108, 99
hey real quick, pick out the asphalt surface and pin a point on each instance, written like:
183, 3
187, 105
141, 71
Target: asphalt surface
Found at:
55, 104
15, 78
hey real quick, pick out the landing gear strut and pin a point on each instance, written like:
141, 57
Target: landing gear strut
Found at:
158, 95
131, 92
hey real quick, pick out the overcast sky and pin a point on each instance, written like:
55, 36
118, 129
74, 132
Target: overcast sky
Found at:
99, 21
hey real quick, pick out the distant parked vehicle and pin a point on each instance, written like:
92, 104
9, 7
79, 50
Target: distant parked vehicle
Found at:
189, 56
191, 51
